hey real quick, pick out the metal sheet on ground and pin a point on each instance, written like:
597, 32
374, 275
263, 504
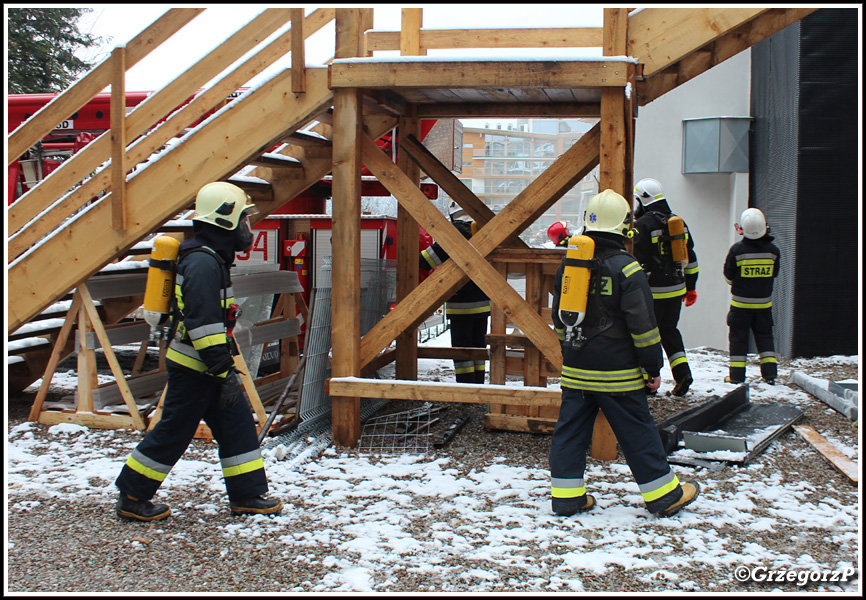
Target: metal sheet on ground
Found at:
748, 431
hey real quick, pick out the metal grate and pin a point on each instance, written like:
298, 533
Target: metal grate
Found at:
378, 290
397, 433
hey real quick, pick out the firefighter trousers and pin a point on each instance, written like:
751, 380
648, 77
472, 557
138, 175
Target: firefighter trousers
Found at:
191, 397
635, 430
741, 322
667, 313
469, 331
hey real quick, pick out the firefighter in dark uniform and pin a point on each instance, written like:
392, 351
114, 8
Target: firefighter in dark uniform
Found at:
468, 309
751, 267
671, 285
203, 382
607, 364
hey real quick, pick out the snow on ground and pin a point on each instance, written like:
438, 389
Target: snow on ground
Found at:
476, 525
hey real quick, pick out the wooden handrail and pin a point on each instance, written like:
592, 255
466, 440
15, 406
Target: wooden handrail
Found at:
147, 145
438, 39
144, 116
44, 120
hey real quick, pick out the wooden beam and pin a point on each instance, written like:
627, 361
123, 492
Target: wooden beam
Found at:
299, 81
432, 39
660, 37
118, 139
407, 247
723, 48
439, 73
449, 183
460, 250
542, 193
442, 392
613, 134
346, 237
844, 464
67, 102
510, 109
410, 31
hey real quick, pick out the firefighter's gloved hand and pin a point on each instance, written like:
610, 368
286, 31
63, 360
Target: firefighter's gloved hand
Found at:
653, 383
691, 297
231, 388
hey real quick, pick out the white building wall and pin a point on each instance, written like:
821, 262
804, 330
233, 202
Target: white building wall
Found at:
709, 203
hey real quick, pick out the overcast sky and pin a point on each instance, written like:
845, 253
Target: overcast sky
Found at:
122, 22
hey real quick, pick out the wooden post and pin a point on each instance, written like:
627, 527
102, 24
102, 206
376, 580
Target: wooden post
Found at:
612, 169
299, 80
346, 237
410, 32
118, 139
406, 366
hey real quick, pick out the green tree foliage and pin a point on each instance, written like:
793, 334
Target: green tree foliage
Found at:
42, 44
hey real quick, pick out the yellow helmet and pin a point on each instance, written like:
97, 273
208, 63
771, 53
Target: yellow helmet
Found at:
608, 212
222, 204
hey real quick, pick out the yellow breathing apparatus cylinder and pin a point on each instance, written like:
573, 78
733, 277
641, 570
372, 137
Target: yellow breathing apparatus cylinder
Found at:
160, 280
676, 230
575, 280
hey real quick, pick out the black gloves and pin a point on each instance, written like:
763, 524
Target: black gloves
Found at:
231, 388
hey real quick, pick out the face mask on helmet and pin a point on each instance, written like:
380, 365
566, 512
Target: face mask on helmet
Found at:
243, 235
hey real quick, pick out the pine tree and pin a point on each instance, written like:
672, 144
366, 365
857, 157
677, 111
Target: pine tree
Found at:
41, 44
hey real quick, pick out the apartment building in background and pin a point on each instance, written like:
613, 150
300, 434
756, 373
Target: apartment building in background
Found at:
501, 159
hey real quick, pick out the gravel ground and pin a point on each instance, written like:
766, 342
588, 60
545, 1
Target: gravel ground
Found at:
72, 542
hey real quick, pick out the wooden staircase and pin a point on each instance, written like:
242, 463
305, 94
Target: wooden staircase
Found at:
72, 225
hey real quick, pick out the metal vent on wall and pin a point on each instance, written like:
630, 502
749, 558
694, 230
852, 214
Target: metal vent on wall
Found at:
716, 145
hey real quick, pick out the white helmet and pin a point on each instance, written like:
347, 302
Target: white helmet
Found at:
222, 204
648, 191
456, 212
753, 225
608, 212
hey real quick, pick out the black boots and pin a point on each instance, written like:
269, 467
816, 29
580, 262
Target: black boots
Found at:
134, 509
565, 507
256, 506
682, 386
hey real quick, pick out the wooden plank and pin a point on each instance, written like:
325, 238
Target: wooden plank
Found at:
540, 425
90, 420
54, 359
460, 250
299, 80
118, 139
430, 39
442, 74
514, 109
844, 464
410, 32
660, 37
441, 392
452, 353
542, 193
406, 366
603, 439
42, 122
